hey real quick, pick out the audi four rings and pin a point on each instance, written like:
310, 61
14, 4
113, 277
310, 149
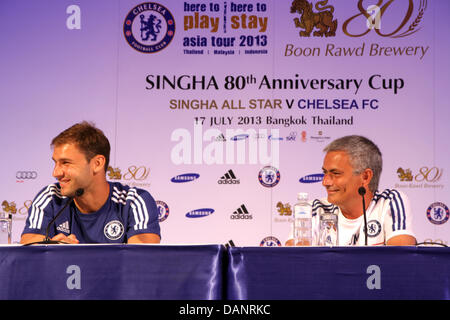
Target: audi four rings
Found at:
26, 175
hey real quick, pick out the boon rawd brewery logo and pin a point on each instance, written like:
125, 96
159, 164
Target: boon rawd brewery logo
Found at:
149, 27
317, 19
357, 19
136, 176
424, 177
321, 21
405, 25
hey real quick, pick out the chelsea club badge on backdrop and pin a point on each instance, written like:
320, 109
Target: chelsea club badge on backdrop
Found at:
149, 27
438, 213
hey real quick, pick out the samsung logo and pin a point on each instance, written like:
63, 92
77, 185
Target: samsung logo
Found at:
240, 137
312, 178
199, 213
185, 177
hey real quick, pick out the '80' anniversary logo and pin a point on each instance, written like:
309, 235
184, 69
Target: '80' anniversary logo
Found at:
149, 27
316, 18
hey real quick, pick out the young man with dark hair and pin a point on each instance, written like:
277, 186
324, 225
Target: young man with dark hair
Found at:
104, 212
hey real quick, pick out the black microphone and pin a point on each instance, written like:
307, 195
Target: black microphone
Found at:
47, 240
229, 244
362, 192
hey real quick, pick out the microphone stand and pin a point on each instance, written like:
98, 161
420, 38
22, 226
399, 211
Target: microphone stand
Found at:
362, 192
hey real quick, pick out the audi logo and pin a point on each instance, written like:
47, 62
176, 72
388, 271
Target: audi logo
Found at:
26, 175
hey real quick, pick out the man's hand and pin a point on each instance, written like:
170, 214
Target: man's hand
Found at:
32, 237
290, 243
71, 239
402, 240
144, 238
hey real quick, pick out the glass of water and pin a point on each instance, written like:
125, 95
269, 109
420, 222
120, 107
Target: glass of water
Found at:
5, 228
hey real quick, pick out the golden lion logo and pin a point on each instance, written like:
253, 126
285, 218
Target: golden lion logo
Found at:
284, 209
404, 175
322, 20
9, 207
114, 173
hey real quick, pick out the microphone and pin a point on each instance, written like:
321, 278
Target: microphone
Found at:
47, 240
229, 244
362, 192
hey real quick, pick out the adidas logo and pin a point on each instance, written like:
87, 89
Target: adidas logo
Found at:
221, 137
241, 213
64, 227
229, 178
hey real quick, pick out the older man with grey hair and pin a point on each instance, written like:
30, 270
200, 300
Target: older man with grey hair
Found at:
352, 162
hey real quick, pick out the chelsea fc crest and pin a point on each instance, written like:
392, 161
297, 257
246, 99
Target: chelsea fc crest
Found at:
113, 230
269, 176
163, 210
270, 242
149, 27
374, 228
438, 213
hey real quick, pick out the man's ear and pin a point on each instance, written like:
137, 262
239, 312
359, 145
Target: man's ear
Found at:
367, 176
98, 163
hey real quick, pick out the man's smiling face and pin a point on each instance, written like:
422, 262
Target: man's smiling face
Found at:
339, 179
72, 170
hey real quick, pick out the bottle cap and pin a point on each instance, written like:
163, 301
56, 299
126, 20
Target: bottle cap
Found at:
302, 196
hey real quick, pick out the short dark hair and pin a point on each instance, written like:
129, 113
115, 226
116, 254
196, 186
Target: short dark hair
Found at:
89, 139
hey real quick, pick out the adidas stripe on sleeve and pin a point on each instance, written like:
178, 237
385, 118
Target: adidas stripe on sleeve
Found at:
143, 214
41, 210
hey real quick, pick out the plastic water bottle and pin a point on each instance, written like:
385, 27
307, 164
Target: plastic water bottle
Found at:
302, 221
5, 229
328, 229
